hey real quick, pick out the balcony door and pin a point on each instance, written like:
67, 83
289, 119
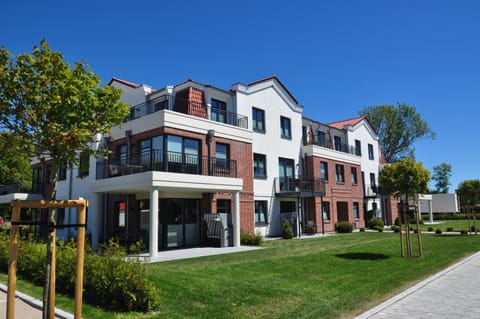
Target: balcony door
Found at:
180, 219
286, 173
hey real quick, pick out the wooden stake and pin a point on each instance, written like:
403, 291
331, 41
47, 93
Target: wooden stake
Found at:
80, 258
12, 264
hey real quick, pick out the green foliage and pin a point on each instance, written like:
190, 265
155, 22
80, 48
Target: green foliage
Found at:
14, 166
469, 192
287, 231
395, 228
398, 127
463, 232
438, 231
441, 176
375, 223
397, 221
344, 227
362, 229
404, 177
430, 228
449, 228
52, 108
247, 238
473, 229
110, 281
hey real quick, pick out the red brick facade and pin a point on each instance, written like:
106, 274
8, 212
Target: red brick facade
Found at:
340, 196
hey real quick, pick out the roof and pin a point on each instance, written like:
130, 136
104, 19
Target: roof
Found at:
274, 78
127, 83
341, 124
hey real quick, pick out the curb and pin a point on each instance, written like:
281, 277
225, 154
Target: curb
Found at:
35, 303
405, 293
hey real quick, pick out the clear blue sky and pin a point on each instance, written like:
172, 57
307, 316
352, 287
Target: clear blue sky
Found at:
336, 57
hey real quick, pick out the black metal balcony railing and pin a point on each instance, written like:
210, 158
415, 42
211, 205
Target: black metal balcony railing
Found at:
166, 162
299, 185
185, 106
370, 190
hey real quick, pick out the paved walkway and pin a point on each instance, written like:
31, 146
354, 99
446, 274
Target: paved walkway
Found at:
451, 293
26, 307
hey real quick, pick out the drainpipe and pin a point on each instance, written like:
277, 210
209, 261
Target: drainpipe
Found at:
321, 212
210, 135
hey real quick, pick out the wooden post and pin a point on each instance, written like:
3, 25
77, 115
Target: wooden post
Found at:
12, 264
80, 258
400, 218
51, 296
419, 235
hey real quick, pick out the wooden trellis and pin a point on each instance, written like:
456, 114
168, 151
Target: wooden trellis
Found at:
81, 204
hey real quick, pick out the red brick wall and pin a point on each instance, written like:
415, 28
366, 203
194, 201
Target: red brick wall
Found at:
336, 192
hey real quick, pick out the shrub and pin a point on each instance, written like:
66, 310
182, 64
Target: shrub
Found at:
344, 227
473, 229
362, 229
110, 281
380, 230
287, 232
438, 231
449, 228
397, 221
375, 223
247, 238
395, 228
463, 232
430, 228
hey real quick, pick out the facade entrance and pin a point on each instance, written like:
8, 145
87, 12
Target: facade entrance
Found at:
179, 223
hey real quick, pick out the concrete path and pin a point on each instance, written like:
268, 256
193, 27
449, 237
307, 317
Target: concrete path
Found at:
26, 307
451, 293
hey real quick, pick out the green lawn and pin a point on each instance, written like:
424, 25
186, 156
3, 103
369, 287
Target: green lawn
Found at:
457, 225
330, 277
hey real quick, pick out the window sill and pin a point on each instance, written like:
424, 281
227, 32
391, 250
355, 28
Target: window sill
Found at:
259, 131
261, 224
286, 137
260, 177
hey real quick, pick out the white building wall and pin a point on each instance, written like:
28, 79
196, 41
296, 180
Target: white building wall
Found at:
270, 97
365, 134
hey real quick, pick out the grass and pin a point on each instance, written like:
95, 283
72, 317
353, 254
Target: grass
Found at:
457, 225
330, 277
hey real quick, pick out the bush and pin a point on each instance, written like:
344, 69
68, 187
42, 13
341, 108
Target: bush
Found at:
362, 229
438, 231
473, 229
463, 232
397, 221
395, 228
449, 228
344, 227
247, 238
375, 223
110, 281
287, 232
430, 228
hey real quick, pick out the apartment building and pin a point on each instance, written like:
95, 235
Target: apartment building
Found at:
191, 149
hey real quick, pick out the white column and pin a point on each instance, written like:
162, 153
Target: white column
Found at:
95, 208
236, 219
430, 210
153, 222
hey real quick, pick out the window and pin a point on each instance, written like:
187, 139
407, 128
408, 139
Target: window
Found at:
259, 166
356, 214
324, 171
288, 207
372, 180
258, 118
286, 174
261, 212
223, 206
340, 173
337, 143
221, 157
285, 127
370, 152
122, 154
354, 176
358, 148
84, 164
183, 155
219, 111
62, 172
326, 210
151, 152
322, 139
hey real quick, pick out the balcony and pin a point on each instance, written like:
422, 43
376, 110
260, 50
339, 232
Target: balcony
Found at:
370, 191
300, 186
164, 161
340, 147
185, 106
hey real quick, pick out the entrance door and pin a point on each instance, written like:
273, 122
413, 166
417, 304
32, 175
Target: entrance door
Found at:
174, 223
342, 211
181, 222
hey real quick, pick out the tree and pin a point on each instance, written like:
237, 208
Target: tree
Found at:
469, 193
398, 127
441, 176
405, 179
55, 111
14, 166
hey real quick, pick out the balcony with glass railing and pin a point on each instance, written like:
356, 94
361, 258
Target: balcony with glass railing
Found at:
185, 106
164, 161
298, 185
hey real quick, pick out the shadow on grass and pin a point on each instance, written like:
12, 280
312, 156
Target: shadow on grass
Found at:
362, 256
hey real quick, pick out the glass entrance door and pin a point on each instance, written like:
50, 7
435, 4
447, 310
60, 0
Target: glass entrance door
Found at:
181, 221
175, 223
